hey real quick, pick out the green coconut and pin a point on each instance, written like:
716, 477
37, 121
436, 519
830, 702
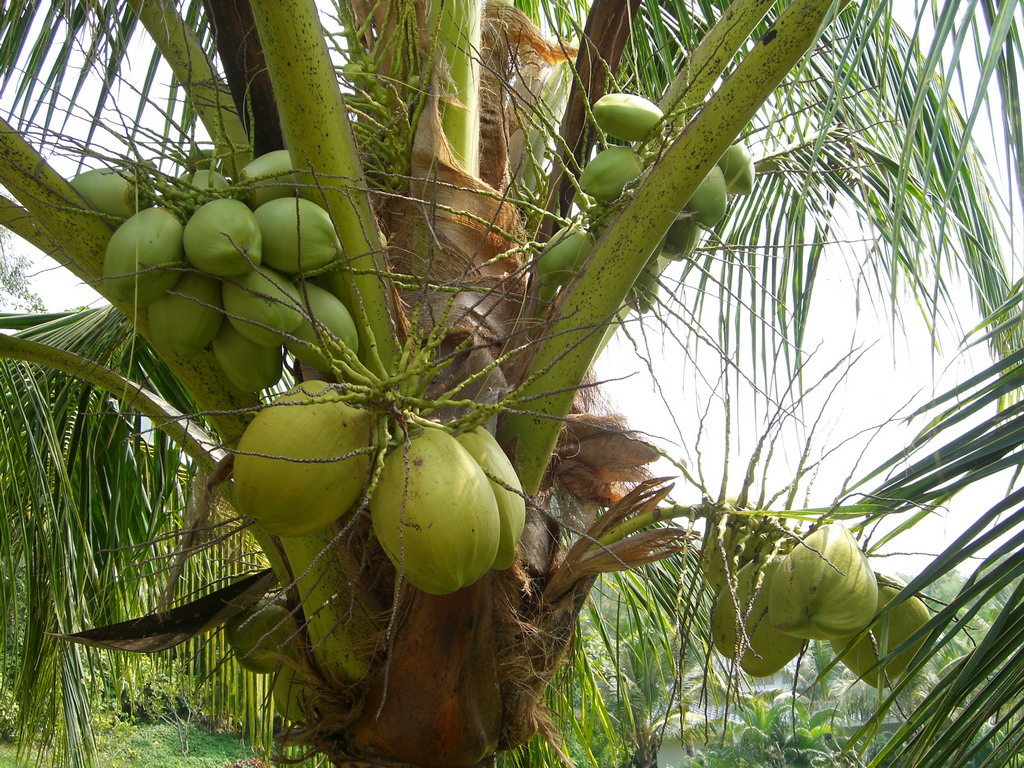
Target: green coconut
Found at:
565, 255
508, 491
313, 344
269, 177
187, 318
201, 158
206, 179
144, 257
737, 166
262, 305
435, 514
298, 235
609, 172
248, 365
710, 200
223, 238
824, 589
547, 293
885, 635
261, 636
682, 238
107, 191
297, 469
290, 694
767, 649
726, 548
626, 116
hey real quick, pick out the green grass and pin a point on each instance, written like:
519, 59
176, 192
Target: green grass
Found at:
156, 746
7, 756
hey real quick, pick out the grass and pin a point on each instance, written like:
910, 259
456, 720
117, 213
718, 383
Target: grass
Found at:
156, 746
7, 756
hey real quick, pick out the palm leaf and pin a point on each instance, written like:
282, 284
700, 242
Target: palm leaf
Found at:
968, 436
95, 502
51, 57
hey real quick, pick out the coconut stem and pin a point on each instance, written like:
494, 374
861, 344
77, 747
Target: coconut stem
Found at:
319, 136
201, 447
643, 520
339, 631
711, 57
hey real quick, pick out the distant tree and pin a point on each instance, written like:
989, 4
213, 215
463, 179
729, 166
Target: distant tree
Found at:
15, 291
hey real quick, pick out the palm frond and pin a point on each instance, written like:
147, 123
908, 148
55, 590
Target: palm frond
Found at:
57, 56
95, 502
863, 151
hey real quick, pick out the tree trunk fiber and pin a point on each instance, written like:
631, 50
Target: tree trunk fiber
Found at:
439, 687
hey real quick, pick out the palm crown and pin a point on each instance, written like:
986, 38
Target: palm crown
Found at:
489, 224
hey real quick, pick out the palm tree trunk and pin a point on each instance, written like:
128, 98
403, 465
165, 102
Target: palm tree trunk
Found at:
245, 70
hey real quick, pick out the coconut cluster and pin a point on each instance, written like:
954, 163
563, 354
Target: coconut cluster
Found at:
233, 266
769, 602
446, 507
238, 272
634, 119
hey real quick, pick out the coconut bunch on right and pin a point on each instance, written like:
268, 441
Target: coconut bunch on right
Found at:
605, 181
774, 594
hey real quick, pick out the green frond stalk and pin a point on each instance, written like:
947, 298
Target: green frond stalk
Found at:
337, 626
201, 447
92, 347
207, 94
457, 47
711, 58
563, 357
16, 219
319, 136
55, 206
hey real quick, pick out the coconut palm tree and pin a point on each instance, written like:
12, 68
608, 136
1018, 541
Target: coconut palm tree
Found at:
776, 733
489, 233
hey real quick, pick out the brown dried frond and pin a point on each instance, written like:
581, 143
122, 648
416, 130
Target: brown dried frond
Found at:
199, 511
639, 549
586, 558
597, 457
531, 649
454, 231
515, 58
466, 220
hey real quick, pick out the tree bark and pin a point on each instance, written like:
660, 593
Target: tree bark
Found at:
245, 69
435, 700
